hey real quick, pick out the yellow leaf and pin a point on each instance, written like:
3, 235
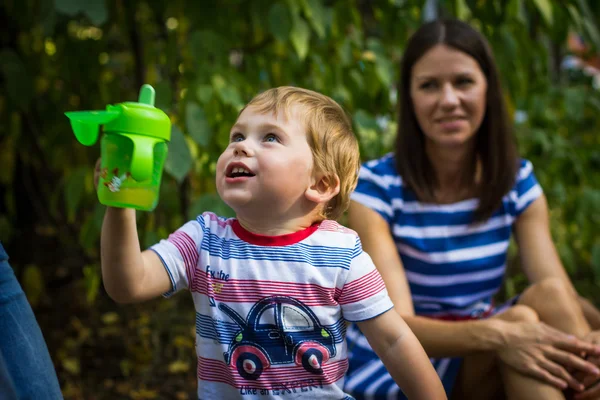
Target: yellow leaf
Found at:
178, 367
142, 394
33, 284
183, 341
368, 55
110, 318
71, 365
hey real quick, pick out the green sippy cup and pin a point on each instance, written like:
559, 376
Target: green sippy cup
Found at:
133, 149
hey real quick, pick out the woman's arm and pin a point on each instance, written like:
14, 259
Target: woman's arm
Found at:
445, 338
439, 338
539, 258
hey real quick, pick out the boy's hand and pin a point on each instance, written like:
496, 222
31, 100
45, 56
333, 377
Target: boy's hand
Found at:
97, 173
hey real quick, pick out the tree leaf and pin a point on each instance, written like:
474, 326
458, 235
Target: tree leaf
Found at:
164, 95
74, 190
316, 14
210, 202
179, 159
204, 93
545, 8
596, 260
91, 282
33, 284
197, 124
463, 11
280, 22
300, 37
94, 9
18, 83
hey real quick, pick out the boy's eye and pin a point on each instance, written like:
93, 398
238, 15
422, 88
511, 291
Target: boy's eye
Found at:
271, 137
237, 137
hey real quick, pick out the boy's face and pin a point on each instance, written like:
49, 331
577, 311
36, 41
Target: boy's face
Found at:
267, 167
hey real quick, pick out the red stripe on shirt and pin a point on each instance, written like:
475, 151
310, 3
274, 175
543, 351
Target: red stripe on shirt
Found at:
251, 291
274, 377
187, 248
362, 288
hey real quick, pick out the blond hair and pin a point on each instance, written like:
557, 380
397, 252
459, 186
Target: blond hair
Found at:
329, 134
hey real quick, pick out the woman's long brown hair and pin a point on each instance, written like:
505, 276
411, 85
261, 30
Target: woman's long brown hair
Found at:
496, 146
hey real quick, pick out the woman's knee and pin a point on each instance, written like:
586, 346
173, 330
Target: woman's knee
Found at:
519, 313
550, 292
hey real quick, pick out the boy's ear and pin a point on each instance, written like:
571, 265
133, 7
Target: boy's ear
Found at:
323, 188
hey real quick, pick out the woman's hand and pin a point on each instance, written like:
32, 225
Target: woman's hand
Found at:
540, 351
590, 381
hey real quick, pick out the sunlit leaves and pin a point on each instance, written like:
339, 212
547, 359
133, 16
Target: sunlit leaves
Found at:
545, 7
300, 37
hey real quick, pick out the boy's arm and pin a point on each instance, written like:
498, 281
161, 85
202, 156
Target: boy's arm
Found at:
403, 356
129, 275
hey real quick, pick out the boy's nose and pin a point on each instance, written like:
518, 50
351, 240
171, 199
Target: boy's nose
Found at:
242, 149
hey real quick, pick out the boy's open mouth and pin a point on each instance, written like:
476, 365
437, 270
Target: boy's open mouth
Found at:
236, 170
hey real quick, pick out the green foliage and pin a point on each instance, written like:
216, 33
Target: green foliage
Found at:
206, 59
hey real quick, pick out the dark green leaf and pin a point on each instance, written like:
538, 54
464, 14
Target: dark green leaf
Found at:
18, 82
94, 9
280, 22
179, 159
197, 125
73, 191
210, 202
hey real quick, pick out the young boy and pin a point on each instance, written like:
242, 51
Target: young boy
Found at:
273, 287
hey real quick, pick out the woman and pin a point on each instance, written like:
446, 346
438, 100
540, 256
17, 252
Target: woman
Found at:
437, 216
26, 370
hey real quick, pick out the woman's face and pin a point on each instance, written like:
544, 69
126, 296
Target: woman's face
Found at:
448, 91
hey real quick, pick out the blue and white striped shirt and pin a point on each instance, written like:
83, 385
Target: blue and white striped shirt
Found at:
453, 266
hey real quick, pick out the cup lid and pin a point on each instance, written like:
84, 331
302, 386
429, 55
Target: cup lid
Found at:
140, 118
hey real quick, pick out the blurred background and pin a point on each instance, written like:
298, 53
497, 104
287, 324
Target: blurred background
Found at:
206, 59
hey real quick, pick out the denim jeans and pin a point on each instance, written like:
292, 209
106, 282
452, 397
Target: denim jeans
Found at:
23, 351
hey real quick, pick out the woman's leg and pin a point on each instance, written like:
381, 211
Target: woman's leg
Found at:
22, 345
480, 376
555, 306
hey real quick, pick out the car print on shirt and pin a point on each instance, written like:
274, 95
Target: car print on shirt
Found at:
278, 330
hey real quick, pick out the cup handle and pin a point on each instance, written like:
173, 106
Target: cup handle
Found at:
142, 159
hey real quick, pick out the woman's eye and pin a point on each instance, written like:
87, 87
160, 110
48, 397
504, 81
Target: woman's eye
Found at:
464, 81
271, 138
428, 85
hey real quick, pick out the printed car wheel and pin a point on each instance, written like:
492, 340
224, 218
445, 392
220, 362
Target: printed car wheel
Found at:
249, 366
312, 361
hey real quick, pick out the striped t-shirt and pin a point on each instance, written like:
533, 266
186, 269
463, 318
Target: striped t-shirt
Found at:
271, 311
453, 267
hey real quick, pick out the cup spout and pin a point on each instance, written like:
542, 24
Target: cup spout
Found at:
86, 124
